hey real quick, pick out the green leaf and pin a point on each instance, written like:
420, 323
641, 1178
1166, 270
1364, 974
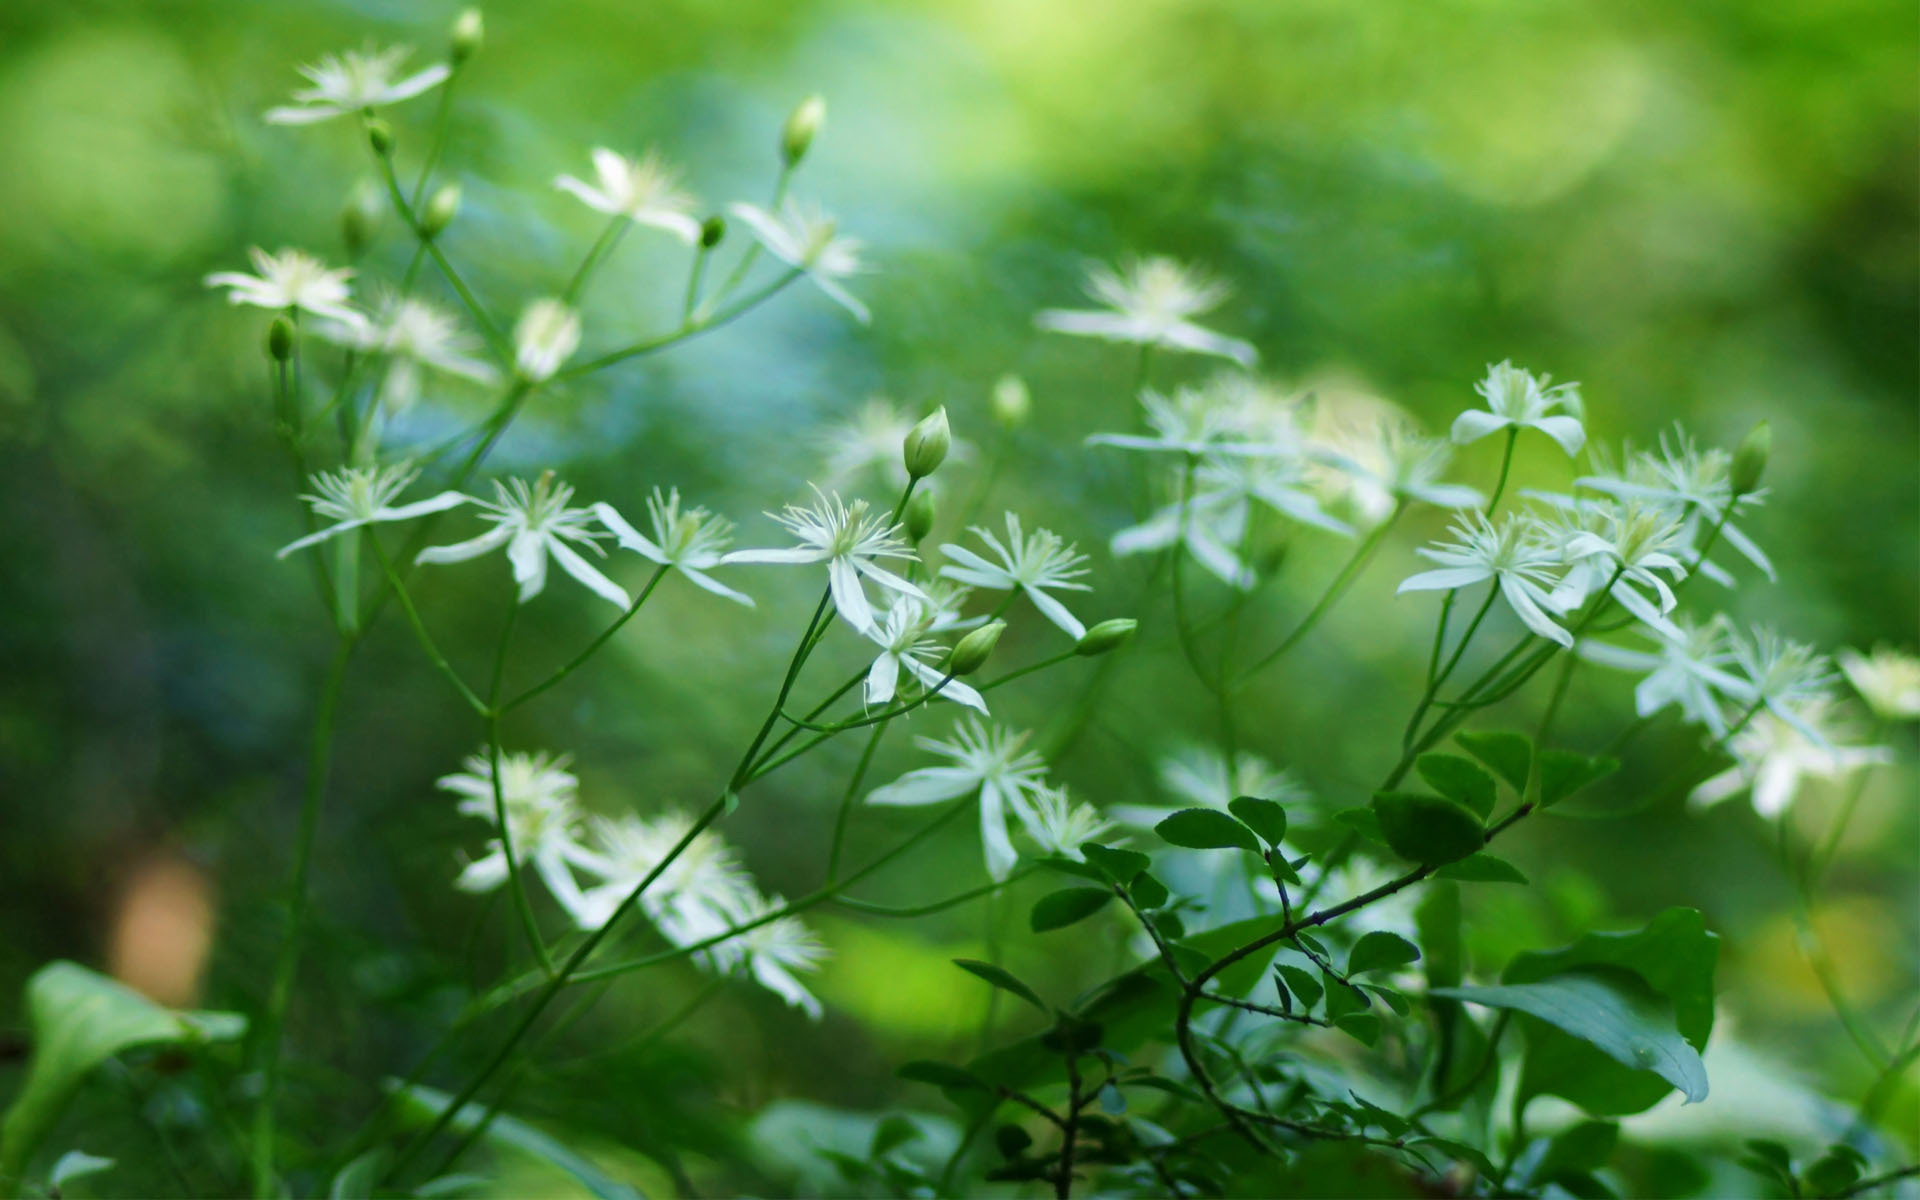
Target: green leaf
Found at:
1010, 1140
1302, 984
1583, 1148
425, 1103
1611, 1009
1363, 822
1264, 817
1438, 919
1207, 829
1430, 830
1111, 1101
1482, 868
1147, 891
1460, 780
1063, 908
1380, 950
1343, 998
889, 1134
1117, 865
940, 1075
1831, 1174
1001, 978
1363, 1026
1509, 754
455, 1185
1391, 997
1563, 772
1075, 868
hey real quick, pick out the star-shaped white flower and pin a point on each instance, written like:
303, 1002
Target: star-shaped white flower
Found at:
692, 541
1690, 672
1198, 777
1213, 522
543, 815
291, 280
1772, 755
353, 82
701, 894
533, 522
1523, 564
1697, 484
1888, 680
412, 334
1200, 421
1627, 545
986, 759
544, 338
356, 496
645, 190
848, 538
805, 240
773, 951
1395, 466
905, 646
872, 440
1060, 826
1148, 302
1790, 678
1519, 399
1034, 563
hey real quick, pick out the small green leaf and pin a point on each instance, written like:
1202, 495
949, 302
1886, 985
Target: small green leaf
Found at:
1363, 822
1010, 1140
1117, 865
1147, 891
1509, 754
1283, 872
1460, 780
1482, 868
889, 1134
1563, 772
1390, 997
1001, 978
940, 1075
1280, 990
1831, 1174
360, 1176
1264, 817
1207, 829
1063, 908
1363, 1026
1379, 950
1430, 830
1075, 868
1303, 984
1343, 998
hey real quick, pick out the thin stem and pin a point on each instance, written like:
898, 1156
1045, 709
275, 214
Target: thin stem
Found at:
579, 660
1439, 680
1878, 1181
516, 878
923, 910
1069, 1130
846, 799
405, 211
699, 325
701, 254
420, 633
1506, 465
752, 254
602, 246
437, 143
1341, 581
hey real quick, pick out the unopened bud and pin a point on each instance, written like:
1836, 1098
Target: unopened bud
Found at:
1011, 403
926, 445
280, 339
919, 516
970, 652
1107, 635
359, 219
711, 231
469, 31
1750, 459
800, 129
380, 136
440, 211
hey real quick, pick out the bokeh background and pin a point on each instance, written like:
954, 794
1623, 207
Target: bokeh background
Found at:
1704, 211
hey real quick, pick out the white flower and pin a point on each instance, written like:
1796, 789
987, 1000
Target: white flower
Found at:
989, 760
848, 539
1631, 543
1148, 302
873, 438
532, 523
1208, 420
700, 895
1689, 671
1032, 564
355, 81
905, 646
1397, 465
774, 950
1513, 554
545, 337
1887, 680
691, 542
1786, 676
1215, 518
645, 190
1198, 777
1773, 754
357, 496
804, 239
1518, 399
543, 815
1696, 483
1061, 826
291, 280
412, 334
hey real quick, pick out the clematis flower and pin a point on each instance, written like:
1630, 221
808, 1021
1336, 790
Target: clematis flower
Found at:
644, 190
1786, 676
533, 523
1697, 485
1198, 777
543, 815
905, 646
1060, 826
1888, 680
1632, 543
412, 334
699, 895
872, 440
1148, 302
1031, 563
291, 281
986, 759
1689, 672
1773, 754
805, 240
1199, 421
1519, 399
848, 539
773, 951
1522, 564
544, 338
357, 496
354, 82
691, 542
1398, 466
1214, 519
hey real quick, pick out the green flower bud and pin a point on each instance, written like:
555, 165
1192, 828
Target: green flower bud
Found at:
440, 211
1011, 403
469, 30
926, 445
919, 516
280, 339
380, 136
359, 219
1107, 635
970, 652
1750, 459
711, 231
800, 129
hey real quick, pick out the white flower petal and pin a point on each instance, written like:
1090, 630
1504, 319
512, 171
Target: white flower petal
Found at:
587, 573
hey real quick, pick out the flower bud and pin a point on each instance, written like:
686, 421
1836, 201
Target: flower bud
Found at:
919, 516
1750, 459
359, 218
970, 652
1107, 635
280, 339
440, 211
926, 445
380, 136
801, 126
1011, 403
711, 231
469, 30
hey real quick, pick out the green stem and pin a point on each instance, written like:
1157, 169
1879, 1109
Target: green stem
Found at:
846, 799
579, 660
1348, 573
420, 633
516, 878
496, 342
602, 246
1438, 681
700, 325
1506, 465
442, 115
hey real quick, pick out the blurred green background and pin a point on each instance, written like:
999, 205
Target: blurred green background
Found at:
1703, 210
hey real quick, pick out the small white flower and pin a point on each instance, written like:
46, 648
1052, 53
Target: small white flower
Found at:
1697, 484
1032, 563
645, 190
987, 759
1397, 465
1214, 520
1773, 754
357, 496
805, 240
1518, 399
1689, 672
1149, 302
905, 646
848, 539
1513, 554
532, 523
691, 542
1061, 826
412, 334
545, 337
543, 815
776, 949
291, 280
700, 895
1198, 777
353, 82
1200, 421
1888, 680
1631, 542
1788, 677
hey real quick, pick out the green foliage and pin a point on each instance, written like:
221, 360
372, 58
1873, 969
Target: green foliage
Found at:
1064, 908
1206, 829
1001, 978
1430, 830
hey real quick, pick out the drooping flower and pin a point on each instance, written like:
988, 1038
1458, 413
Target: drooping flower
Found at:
905, 645
805, 240
848, 538
986, 759
533, 522
645, 190
413, 334
356, 496
1519, 399
292, 281
1033, 563
354, 82
1148, 302
1888, 680
540, 797
1060, 826
1689, 672
1774, 753
545, 337
692, 541
1523, 565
